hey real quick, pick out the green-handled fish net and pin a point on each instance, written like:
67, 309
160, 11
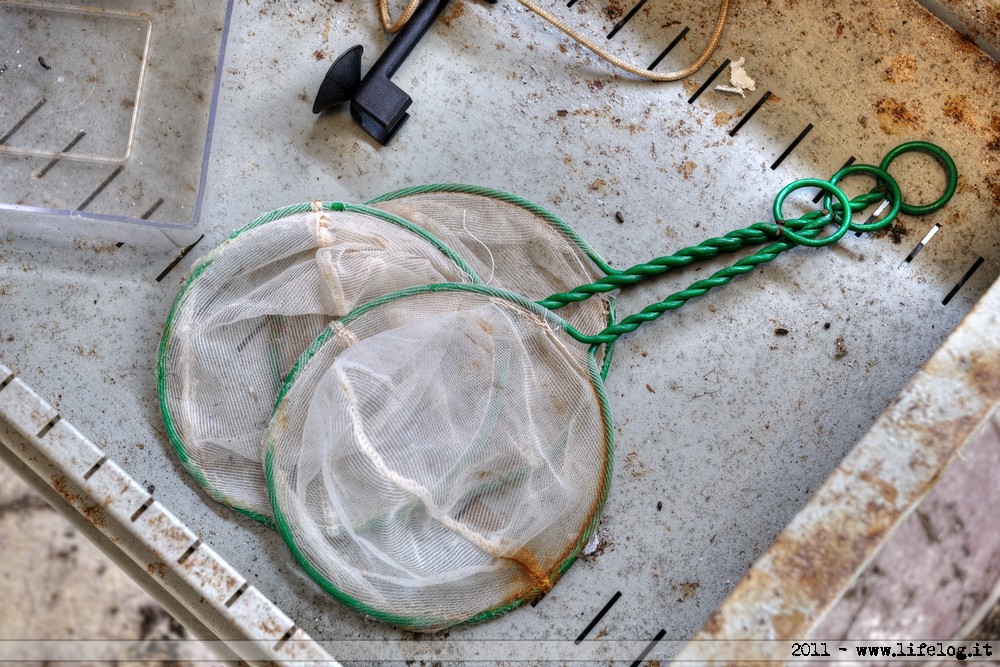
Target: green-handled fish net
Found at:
253, 305
442, 453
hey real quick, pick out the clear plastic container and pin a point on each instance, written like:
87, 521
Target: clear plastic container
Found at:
106, 113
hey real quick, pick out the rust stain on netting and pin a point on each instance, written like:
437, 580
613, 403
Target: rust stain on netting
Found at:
527, 561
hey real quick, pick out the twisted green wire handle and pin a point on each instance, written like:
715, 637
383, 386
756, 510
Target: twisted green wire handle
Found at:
698, 288
755, 234
800, 231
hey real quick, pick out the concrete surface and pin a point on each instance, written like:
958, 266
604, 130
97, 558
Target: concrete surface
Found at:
738, 465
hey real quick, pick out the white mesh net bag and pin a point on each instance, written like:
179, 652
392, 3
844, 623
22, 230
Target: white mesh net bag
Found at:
253, 305
415, 443
510, 243
248, 311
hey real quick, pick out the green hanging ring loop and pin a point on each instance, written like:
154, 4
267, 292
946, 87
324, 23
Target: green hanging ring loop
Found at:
946, 161
830, 189
895, 197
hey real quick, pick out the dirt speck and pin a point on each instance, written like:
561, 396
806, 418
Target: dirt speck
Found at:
896, 232
319, 54
897, 116
98, 247
722, 118
839, 348
885, 489
992, 181
614, 10
95, 515
155, 569
635, 466
901, 69
454, 14
957, 109
687, 590
686, 168
598, 185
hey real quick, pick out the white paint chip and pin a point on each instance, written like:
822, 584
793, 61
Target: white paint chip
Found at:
739, 80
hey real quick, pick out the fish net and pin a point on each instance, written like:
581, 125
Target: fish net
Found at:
440, 455
253, 305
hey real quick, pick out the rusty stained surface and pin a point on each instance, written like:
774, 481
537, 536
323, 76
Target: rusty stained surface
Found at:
108, 495
26, 410
66, 440
977, 19
219, 579
164, 534
935, 573
816, 558
267, 622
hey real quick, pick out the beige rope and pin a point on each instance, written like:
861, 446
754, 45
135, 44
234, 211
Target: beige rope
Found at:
393, 28
720, 24
713, 41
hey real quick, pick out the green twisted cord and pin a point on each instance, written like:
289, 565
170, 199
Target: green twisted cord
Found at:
799, 231
699, 288
755, 234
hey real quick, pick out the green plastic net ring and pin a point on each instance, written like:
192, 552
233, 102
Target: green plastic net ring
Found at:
274, 285
249, 308
440, 455
895, 196
949, 166
830, 189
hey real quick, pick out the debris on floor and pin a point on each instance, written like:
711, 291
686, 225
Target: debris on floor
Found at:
739, 80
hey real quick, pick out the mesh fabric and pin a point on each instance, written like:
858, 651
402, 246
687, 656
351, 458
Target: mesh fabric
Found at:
510, 243
440, 456
252, 306
249, 310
